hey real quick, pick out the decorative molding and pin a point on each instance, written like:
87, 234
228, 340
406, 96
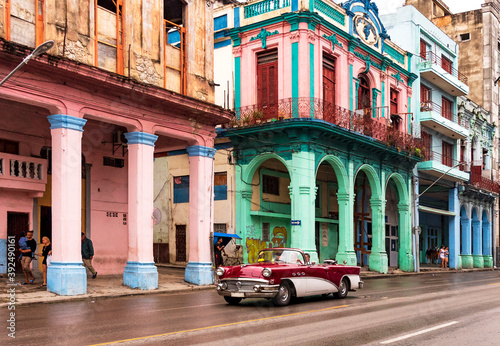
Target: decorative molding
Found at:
294, 36
237, 51
62, 121
333, 39
398, 78
311, 37
199, 150
140, 138
263, 34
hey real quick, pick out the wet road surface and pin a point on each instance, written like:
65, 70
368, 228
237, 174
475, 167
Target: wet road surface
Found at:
385, 310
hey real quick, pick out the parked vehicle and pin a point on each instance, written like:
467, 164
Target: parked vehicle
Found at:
281, 274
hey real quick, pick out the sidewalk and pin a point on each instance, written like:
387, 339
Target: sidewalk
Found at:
169, 281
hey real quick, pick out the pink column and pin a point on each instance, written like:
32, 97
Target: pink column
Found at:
140, 271
66, 275
201, 214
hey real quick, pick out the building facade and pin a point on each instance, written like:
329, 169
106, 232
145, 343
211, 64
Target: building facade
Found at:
81, 125
476, 33
322, 145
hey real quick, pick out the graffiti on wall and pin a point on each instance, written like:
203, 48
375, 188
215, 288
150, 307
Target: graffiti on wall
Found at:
255, 245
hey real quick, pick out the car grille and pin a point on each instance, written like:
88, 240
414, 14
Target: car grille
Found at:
237, 285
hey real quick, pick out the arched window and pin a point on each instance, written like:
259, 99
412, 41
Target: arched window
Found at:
364, 100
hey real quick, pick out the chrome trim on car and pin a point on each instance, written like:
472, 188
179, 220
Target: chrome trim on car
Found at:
245, 279
247, 288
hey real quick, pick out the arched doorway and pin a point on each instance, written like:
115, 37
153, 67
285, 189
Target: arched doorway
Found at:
363, 224
391, 224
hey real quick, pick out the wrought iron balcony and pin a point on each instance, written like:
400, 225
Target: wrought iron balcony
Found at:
478, 181
369, 122
437, 164
22, 173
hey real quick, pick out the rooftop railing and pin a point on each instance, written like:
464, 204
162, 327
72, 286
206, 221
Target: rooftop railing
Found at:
446, 65
367, 122
265, 6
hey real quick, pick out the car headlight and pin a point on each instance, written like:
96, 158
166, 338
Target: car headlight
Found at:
220, 271
267, 272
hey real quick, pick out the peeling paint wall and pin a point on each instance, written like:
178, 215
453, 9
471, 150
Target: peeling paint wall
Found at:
72, 25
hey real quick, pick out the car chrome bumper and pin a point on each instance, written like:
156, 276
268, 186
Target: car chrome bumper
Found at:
241, 288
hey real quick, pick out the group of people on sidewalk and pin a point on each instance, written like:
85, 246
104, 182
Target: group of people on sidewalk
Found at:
27, 247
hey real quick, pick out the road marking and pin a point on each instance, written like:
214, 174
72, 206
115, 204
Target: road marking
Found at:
419, 332
221, 325
498, 283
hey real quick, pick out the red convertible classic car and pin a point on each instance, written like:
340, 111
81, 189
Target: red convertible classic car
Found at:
281, 274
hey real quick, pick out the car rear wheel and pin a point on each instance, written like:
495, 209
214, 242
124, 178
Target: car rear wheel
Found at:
343, 289
284, 294
232, 300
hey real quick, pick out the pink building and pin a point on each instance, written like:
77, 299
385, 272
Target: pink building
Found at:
77, 145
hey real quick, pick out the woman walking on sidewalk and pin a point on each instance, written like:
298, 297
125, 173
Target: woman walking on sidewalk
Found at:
46, 252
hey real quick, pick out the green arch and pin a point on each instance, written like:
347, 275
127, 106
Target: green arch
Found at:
373, 179
258, 160
401, 187
339, 169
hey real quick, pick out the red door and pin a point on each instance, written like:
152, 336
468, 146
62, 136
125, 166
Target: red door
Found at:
329, 90
446, 64
267, 84
425, 99
423, 50
446, 108
447, 154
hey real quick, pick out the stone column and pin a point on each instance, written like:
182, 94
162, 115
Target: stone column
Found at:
405, 256
454, 229
466, 256
201, 214
378, 257
303, 194
346, 238
66, 275
487, 256
140, 271
477, 241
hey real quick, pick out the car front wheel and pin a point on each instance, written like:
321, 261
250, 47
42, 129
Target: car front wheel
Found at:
232, 300
343, 289
284, 294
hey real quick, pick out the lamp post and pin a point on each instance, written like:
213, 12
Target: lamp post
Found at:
416, 227
38, 51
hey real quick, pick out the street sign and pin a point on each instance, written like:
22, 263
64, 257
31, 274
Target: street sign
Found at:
295, 222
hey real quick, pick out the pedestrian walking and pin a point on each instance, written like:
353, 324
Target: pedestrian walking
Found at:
27, 257
218, 248
88, 255
441, 255
446, 256
46, 252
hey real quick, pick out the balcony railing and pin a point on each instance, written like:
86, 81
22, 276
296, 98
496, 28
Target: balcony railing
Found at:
445, 65
446, 160
367, 122
477, 180
429, 106
264, 7
22, 168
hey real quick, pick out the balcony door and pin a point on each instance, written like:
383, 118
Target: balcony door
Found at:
328, 81
364, 93
447, 154
267, 83
446, 106
425, 98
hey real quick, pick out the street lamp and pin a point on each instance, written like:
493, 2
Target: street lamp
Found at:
38, 51
416, 227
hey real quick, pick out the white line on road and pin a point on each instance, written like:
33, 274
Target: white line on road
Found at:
419, 332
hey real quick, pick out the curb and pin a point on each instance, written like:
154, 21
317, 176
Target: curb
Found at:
425, 272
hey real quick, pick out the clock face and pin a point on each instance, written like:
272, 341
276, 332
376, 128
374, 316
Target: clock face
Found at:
365, 29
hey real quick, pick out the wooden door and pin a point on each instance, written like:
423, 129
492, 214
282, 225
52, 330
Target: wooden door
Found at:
447, 154
17, 225
329, 82
180, 243
425, 99
267, 83
446, 108
363, 93
423, 50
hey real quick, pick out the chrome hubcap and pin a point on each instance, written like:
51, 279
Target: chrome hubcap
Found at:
283, 293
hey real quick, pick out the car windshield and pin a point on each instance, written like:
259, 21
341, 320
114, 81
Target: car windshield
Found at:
280, 255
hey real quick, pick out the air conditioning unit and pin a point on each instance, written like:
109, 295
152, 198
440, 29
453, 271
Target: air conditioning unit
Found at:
119, 138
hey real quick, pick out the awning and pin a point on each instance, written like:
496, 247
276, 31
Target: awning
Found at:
226, 237
436, 211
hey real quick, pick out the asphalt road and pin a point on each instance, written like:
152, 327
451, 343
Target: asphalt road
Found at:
440, 309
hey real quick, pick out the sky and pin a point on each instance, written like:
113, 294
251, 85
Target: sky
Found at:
456, 6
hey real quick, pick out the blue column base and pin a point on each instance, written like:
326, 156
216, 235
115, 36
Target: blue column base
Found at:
142, 275
199, 273
66, 279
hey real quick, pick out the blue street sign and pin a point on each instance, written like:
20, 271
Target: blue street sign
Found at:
295, 222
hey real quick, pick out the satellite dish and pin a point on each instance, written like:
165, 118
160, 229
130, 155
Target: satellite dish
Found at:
156, 215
